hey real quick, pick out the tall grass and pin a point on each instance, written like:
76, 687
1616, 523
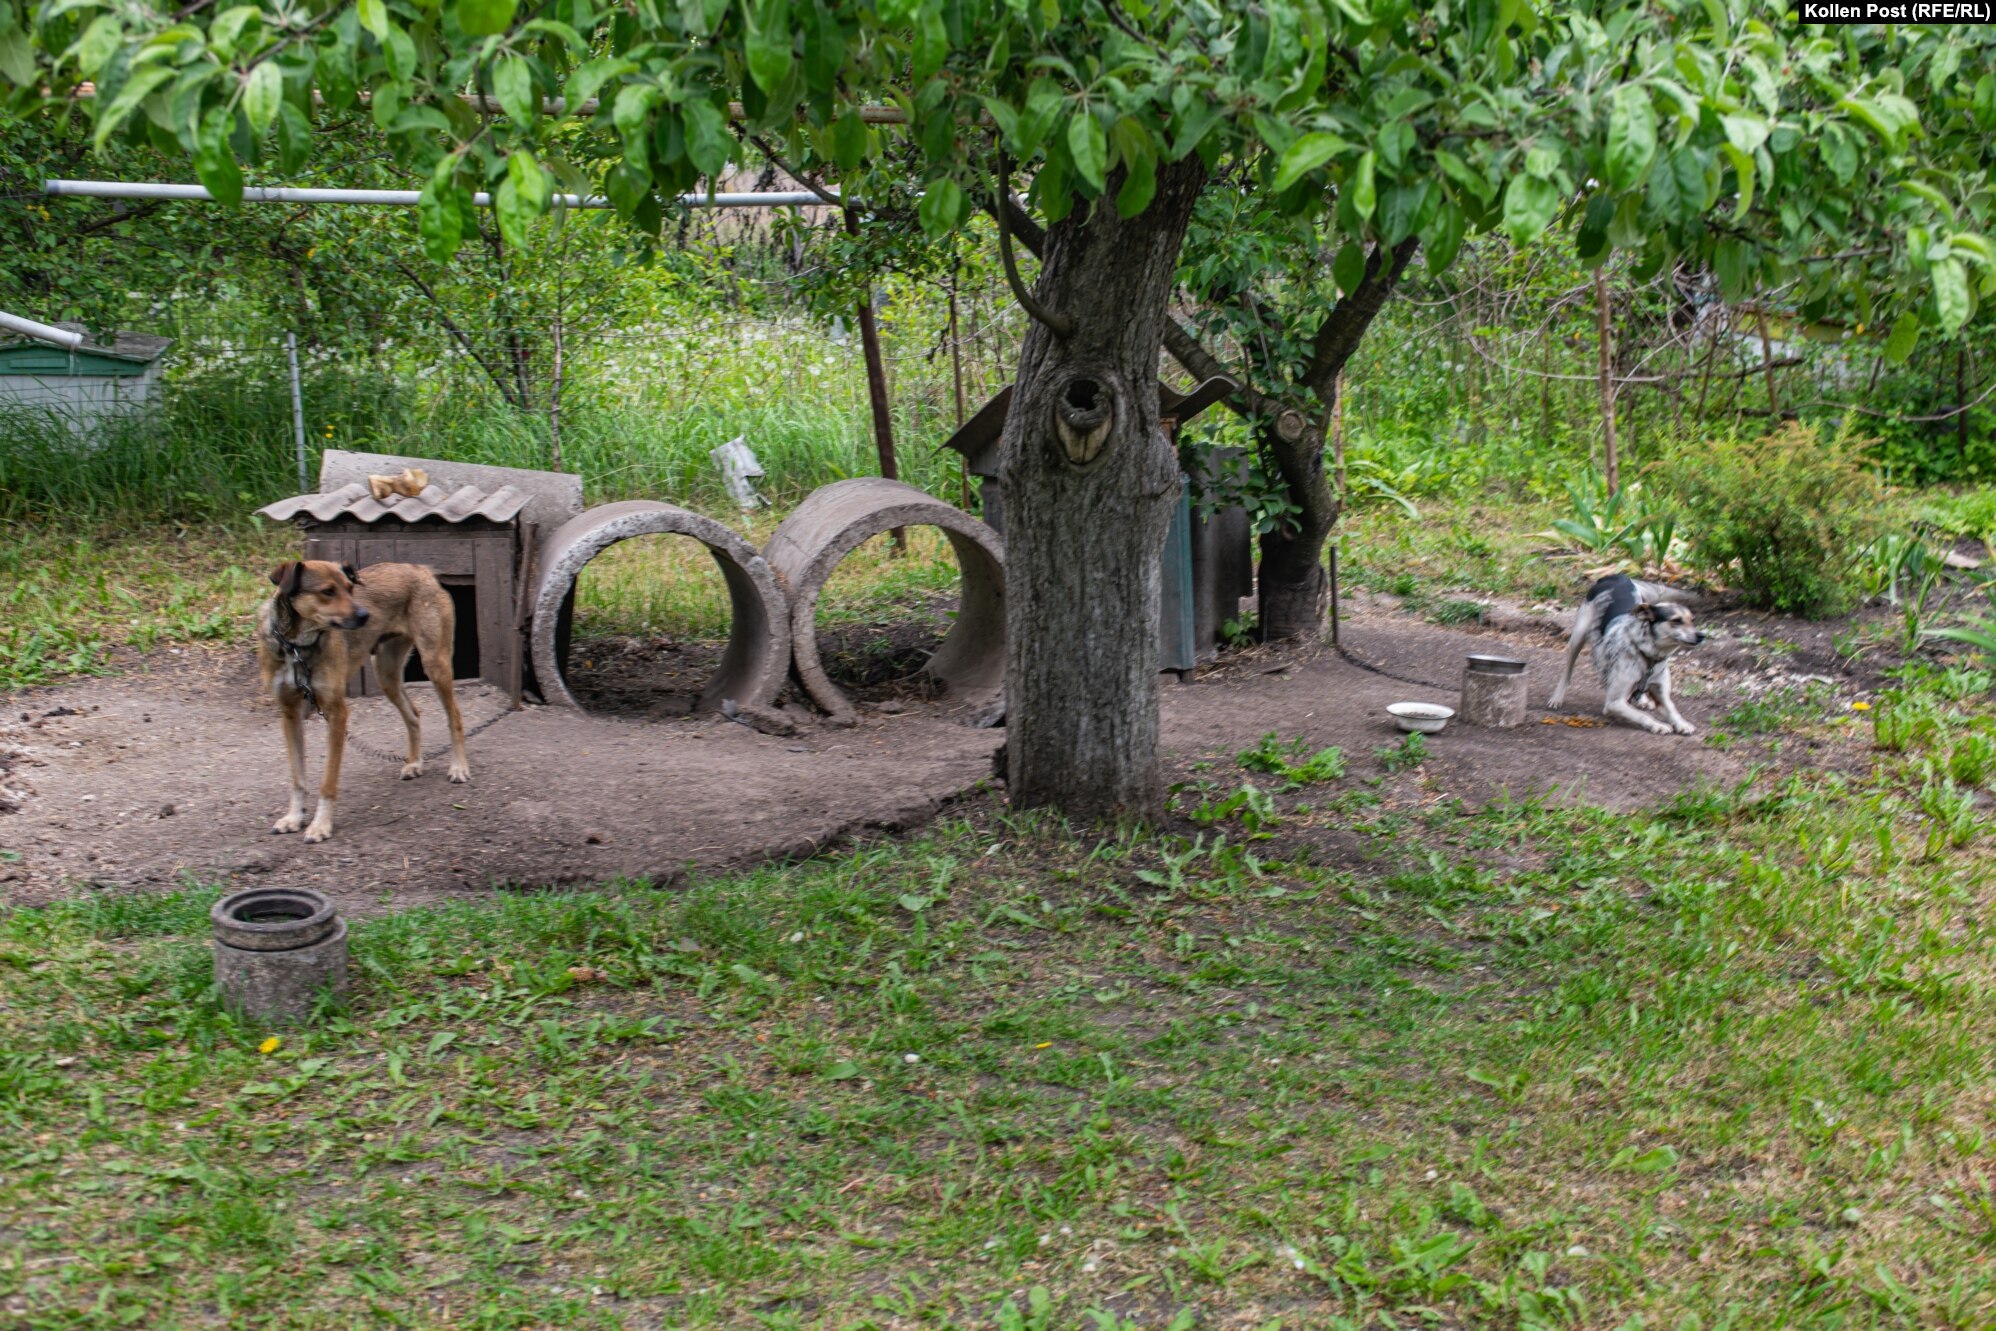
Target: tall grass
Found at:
640, 413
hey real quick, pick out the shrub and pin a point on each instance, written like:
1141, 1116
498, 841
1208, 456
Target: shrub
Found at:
1781, 517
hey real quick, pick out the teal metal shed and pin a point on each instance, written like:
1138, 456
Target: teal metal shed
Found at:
86, 384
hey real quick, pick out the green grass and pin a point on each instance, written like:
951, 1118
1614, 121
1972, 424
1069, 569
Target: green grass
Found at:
1453, 557
1725, 1063
71, 593
639, 419
669, 585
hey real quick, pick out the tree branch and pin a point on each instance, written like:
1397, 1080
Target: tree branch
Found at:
458, 334
1060, 325
1338, 336
809, 184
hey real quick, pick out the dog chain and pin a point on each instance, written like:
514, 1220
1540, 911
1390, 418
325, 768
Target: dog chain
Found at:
370, 751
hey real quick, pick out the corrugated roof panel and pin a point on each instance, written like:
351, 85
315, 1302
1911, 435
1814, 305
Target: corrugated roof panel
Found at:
355, 503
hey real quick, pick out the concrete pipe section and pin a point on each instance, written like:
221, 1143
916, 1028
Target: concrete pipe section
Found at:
757, 659
833, 522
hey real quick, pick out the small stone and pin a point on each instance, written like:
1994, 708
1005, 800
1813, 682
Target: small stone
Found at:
166, 810
911, 1058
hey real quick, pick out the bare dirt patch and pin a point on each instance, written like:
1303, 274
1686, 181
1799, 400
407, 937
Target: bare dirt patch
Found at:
176, 768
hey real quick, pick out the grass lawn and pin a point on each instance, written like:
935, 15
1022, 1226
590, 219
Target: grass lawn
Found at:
1723, 1064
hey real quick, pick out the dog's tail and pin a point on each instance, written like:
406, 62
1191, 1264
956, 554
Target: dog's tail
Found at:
1654, 593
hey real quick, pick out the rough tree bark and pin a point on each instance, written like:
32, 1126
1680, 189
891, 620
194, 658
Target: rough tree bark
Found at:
1089, 482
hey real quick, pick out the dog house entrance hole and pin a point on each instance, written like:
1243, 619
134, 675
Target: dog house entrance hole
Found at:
464, 660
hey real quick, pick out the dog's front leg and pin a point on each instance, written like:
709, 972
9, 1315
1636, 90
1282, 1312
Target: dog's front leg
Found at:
1661, 691
292, 710
1624, 678
329, 787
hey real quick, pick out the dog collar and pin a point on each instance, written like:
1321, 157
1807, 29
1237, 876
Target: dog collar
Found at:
294, 653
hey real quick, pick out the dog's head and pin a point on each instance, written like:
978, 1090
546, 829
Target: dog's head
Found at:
320, 593
1670, 626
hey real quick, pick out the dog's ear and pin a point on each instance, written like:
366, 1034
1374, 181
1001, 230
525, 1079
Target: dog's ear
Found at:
286, 577
1645, 612
353, 575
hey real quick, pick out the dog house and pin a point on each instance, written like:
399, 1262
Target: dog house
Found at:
476, 527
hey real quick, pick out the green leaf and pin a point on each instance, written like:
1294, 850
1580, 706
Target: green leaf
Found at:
294, 139
227, 29
1005, 117
707, 140
942, 206
1089, 147
262, 93
842, 1071
849, 139
1736, 265
478, 18
1306, 155
373, 16
513, 85
214, 162
1952, 301
438, 220
1742, 168
1529, 204
767, 42
17, 59
1904, 337
1139, 187
1348, 269
530, 181
1364, 192
1631, 137
98, 44
1442, 240
512, 212
587, 80
1745, 133
137, 88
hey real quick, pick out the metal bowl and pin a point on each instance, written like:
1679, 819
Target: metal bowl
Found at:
1495, 665
1423, 717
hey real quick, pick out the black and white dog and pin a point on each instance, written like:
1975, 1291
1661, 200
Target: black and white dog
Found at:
1634, 632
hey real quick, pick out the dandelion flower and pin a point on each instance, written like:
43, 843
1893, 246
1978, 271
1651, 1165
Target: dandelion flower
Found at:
270, 1046
1860, 707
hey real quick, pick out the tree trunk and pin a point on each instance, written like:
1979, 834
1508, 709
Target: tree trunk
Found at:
1291, 579
1604, 332
876, 389
1090, 480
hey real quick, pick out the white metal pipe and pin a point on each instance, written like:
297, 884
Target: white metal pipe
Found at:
41, 332
404, 198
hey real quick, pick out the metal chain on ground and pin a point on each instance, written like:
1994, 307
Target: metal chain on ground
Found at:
368, 750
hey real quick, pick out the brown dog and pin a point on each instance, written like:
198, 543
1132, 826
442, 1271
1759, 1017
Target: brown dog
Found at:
319, 629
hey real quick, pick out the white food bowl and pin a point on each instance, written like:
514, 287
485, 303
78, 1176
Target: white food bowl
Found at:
1425, 717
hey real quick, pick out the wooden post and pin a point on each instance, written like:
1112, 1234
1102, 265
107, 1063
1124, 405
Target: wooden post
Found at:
1767, 363
876, 390
956, 372
297, 411
1605, 336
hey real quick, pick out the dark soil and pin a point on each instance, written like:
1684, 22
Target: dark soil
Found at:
659, 679
176, 769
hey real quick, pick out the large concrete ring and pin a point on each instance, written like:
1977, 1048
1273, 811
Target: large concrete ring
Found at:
832, 522
757, 660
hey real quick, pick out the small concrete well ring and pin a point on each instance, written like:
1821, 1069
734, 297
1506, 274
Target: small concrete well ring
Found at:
833, 522
757, 659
